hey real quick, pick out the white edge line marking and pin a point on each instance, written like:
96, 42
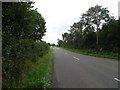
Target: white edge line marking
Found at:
117, 79
76, 58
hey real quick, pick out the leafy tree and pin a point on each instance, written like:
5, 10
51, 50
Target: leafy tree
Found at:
95, 17
60, 43
109, 36
22, 21
39, 30
22, 27
84, 33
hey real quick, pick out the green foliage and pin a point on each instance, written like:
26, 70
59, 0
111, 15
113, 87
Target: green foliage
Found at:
40, 75
96, 16
91, 52
23, 27
82, 34
18, 55
21, 21
109, 36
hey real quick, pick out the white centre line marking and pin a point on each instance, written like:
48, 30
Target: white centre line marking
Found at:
117, 79
76, 58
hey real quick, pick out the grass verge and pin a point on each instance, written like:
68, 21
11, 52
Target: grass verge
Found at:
92, 53
40, 76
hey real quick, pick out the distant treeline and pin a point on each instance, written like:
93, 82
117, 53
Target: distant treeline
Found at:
82, 34
23, 29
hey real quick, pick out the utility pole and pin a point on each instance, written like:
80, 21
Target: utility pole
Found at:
97, 35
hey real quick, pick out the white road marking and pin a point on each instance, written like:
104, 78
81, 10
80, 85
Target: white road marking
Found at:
117, 79
76, 58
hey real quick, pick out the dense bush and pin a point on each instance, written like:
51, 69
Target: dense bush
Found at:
23, 29
16, 56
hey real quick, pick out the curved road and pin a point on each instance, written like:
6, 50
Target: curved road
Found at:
73, 70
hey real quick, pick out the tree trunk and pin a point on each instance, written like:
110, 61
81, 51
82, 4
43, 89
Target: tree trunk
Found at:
97, 47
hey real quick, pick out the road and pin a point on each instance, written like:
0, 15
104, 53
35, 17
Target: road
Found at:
73, 70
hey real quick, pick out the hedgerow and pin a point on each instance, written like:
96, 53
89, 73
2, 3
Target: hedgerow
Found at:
22, 32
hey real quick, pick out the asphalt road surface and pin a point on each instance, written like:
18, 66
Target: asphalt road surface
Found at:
73, 70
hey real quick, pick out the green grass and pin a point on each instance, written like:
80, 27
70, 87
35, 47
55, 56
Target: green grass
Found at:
92, 53
40, 76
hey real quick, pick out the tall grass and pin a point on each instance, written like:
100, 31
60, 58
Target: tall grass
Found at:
40, 76
93, 53
17, 58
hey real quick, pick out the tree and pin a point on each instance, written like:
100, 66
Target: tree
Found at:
110, 36
22, 21
22, 27
60, 43
84, 33
95, 17
39, 29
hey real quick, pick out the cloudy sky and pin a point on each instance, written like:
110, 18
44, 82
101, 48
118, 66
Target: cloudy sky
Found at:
61, 14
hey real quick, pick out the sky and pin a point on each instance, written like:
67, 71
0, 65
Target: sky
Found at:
61, 14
